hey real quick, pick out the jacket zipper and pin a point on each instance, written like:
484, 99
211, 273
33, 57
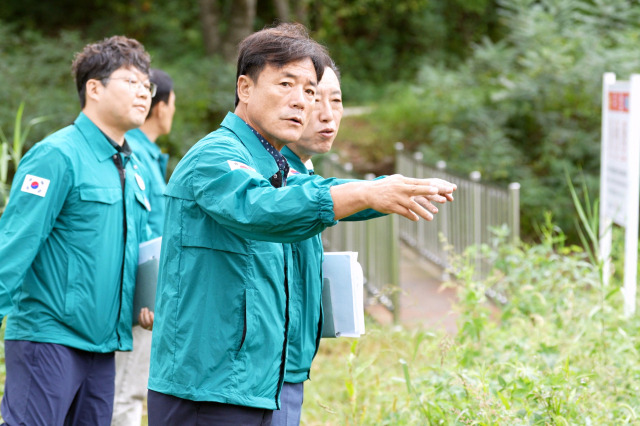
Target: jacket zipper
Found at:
123, 174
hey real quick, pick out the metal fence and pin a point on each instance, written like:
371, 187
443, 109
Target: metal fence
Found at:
467, 221
376, 242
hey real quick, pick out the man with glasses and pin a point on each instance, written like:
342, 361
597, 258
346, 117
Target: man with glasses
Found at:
69, 247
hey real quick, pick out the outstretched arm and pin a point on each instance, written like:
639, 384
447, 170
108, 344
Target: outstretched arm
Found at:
393, 194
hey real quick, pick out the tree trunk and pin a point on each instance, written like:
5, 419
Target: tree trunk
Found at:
243, 13
209, 20
282, 10
302, 11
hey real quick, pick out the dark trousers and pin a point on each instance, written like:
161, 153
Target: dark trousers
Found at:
49, 384
290, 410
168, 410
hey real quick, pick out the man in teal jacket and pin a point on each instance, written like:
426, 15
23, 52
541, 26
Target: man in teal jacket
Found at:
132, 368
219, 340
305, 296
69, 247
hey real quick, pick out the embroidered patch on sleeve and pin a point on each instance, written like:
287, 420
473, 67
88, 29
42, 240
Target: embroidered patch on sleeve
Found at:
233, 165
35, 185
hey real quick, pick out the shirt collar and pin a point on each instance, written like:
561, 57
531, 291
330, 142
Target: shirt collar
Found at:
125, 149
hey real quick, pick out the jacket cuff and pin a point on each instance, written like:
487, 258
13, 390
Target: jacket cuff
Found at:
325, 206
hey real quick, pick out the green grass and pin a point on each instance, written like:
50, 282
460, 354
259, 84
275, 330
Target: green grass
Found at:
560, 352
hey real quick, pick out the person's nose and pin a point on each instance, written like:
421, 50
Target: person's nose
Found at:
324, 111
142, 91
298, 98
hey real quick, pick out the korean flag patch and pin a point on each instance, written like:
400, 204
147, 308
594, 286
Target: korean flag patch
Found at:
35, 185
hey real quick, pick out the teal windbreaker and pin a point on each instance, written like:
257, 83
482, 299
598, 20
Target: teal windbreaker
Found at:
305, 289
66, 274
221, 305
154, 164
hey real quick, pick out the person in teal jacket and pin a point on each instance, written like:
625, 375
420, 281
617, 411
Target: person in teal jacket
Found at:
132, 368
69, 247
305, 296
218, 351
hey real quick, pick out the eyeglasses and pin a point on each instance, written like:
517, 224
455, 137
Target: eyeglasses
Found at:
135, 85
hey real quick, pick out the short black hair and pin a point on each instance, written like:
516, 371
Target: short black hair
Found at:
279, 46
164, 85
99, 60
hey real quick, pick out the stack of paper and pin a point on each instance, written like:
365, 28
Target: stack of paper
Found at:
342, 295
147, 277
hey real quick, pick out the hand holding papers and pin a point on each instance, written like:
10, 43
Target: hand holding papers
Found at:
342, 295
147, 277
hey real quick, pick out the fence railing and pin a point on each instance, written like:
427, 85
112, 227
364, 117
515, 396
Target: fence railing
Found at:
477, 208
376, 242
466, 222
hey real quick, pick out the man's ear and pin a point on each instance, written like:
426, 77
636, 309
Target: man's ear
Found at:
244, 88
94, 89
158, 109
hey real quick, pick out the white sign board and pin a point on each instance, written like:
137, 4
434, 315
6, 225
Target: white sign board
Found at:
620, 175
614, 152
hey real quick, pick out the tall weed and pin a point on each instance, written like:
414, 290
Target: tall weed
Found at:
11, 150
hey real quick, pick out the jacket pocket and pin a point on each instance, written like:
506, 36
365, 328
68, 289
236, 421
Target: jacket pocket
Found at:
70, 295
247, 322
206, 233
101, 195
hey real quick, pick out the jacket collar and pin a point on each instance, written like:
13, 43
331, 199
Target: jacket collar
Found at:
151, 148
266, 162
95, 139
294, 161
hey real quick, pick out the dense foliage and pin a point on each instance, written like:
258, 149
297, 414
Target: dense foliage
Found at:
524, 108
560, 351
368, 38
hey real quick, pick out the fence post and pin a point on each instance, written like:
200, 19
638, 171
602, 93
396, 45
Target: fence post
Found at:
419, 226
514, 211
372, 249
476, 211
443, 228
395, 269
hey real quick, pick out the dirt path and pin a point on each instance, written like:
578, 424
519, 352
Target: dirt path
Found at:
422, 302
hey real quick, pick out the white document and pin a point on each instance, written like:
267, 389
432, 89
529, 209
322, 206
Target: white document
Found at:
342, 295
149, 249
147, 276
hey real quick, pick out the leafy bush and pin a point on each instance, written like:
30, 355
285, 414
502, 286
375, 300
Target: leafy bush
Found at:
37, 71
524, 108
559, 352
